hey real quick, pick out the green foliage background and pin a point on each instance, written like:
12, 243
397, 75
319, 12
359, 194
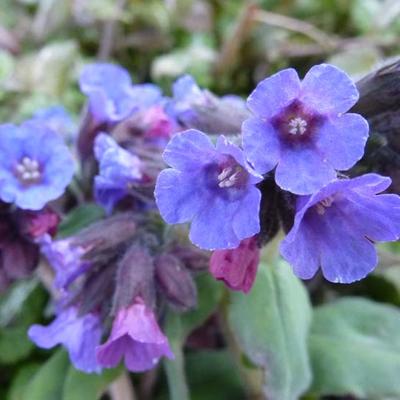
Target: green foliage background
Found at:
287, 338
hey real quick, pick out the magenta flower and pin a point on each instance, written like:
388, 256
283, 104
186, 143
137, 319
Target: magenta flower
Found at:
237, 268
137, 338
78, 334
214, 187
336, 228
302, 129
35, 165
156, 125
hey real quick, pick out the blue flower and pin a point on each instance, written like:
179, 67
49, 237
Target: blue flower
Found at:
118, 171
112, 97
302, 129
57, 119
80, 335
214, 187
35, 165
186, 94
66, 258
335, 229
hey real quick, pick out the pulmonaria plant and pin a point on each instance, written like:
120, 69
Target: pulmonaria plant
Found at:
213, 187
302, 129
117, 279
35, 165
336, 228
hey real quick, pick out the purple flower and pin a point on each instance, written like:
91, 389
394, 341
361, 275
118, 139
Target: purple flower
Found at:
214, 187
118, 171
80, 335
186, 94
65, 258
237, 268
300, 127
336, 228
35, 165
112, 97
137, 338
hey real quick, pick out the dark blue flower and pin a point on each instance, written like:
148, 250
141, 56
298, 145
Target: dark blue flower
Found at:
214, 187
112, 97
118, 171
35, 165
302, 129
336, 228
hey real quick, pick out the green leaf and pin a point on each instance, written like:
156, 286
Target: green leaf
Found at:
14, 345
271, 326
79, 385
209, 295
47, 383
355, 349
80, 218
214, 369
21, 306
20, 380
13, 300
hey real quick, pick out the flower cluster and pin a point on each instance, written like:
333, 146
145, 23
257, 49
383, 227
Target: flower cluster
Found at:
113, 276
300, 135
236, 171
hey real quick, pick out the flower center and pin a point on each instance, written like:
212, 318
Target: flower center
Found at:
297, 126
323, 205
230, 176
28, 171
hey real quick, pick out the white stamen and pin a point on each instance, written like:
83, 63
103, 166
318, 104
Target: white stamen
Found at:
298, 126
28, 170
323, 205
228, 177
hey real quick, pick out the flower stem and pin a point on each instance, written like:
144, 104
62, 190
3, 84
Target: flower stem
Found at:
175, 369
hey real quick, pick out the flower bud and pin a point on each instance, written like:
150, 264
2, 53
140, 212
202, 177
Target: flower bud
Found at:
175, 282
192, 257
18, 258
237, 268
34, 224
134, 278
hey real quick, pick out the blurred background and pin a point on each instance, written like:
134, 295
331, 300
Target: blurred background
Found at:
228, 46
